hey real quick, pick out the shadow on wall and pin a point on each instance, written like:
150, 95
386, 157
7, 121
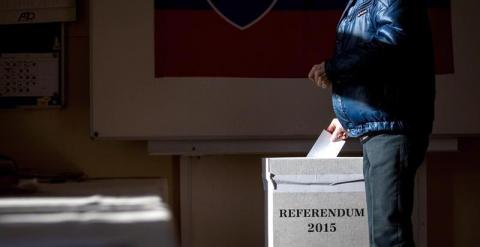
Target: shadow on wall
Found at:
453, 187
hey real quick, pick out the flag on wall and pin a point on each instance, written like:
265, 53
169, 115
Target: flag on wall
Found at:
261, 38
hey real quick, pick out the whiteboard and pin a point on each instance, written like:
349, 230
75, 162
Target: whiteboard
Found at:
128, 102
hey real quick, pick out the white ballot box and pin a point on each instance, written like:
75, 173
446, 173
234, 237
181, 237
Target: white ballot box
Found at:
315, 202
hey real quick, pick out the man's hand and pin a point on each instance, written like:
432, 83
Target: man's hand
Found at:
318, 75
337, 131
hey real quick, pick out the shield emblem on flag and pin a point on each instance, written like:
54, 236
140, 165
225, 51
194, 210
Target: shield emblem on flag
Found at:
242, 13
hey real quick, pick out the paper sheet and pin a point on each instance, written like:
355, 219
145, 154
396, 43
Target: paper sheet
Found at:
324, 147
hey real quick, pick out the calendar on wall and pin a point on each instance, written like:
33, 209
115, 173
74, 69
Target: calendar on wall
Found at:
29, 74
31, 65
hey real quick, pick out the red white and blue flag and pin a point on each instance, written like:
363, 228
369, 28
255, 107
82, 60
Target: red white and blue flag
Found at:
261, 38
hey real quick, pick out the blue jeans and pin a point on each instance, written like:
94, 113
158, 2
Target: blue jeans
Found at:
390, 163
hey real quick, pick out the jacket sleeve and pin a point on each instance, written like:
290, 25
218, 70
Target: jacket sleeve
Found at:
391, 22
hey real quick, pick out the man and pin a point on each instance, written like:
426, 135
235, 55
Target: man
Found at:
383, 90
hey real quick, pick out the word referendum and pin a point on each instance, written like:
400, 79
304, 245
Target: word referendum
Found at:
322, 213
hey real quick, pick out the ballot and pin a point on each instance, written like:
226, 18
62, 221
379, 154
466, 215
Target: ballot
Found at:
324, 147
315, 202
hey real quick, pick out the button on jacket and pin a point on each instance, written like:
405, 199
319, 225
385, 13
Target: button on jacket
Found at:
382, 72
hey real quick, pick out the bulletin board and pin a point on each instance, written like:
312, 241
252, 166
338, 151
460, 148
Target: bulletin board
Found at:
32, 52
129, 100
31, 65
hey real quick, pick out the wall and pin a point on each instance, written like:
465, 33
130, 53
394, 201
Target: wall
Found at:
453, 189
58, 140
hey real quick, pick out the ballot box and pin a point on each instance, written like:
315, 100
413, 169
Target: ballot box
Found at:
315, 202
